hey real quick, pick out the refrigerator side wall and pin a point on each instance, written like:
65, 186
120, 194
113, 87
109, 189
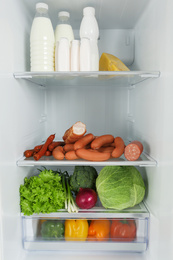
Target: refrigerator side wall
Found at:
21, 106
152, 108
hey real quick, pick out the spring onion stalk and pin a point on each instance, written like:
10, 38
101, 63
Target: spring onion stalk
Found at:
69, 201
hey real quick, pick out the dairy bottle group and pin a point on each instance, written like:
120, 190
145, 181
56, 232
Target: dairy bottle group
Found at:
58, 50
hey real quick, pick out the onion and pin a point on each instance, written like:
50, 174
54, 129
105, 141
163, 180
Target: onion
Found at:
86, 198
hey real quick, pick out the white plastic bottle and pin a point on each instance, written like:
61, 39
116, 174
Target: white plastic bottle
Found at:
63, 28
42, 40
63, 54
75, 50
85, 55
89, 29
89, 26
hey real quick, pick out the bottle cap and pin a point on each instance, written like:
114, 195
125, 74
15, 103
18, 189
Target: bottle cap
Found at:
64, 13
41, 5
89, 10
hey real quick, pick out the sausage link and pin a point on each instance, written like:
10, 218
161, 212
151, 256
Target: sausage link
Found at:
83, 141
48, 153
119, 147
71, 155
74, 133
101, 140
55, 144
29, 153
38, 148
68, 147
42, 151
58, 153
92, 155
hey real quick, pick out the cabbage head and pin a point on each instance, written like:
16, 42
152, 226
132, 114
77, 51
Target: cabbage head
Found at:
120, 187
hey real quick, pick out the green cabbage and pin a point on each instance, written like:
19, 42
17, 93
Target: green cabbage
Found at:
120, 187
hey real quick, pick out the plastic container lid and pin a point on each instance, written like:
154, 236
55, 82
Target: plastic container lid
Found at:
89, 10
64, 13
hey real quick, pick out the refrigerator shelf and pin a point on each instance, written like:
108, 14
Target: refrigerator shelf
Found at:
138, 211
95, 78
143, 161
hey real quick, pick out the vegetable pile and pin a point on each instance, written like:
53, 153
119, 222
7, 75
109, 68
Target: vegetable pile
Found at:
89, 230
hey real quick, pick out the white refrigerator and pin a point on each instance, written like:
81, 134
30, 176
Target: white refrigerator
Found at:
135, 105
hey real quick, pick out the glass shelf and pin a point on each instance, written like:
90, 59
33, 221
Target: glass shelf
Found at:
143, 161
98, 78
138, 211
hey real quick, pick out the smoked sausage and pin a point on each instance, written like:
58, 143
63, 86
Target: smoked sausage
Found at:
119, 147
83, 141
133, 150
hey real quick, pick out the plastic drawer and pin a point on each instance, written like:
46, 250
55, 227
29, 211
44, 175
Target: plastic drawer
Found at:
138, 217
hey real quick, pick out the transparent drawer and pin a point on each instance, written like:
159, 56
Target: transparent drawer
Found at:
103, 234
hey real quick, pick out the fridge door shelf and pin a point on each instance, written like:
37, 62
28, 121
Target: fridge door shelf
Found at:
33, 237
143, 161
95, 78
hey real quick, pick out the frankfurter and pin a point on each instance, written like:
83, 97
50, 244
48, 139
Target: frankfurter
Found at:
68, 147
133, 150
55, 144
119, 147
106, 149
101, 140
74, 133
92, 155
58, 153
71, 155
83, 141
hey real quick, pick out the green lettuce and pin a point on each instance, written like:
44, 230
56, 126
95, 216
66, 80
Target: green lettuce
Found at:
120, 187
42, 194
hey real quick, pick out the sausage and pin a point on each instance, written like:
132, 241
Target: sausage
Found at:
58, 153
82, 142
106, 149
119, 147
74, 133
38, 147
92, 155
71, 155
101, 140
55, 144
68, 147
29, 153
44, 148
48, 153
133, 150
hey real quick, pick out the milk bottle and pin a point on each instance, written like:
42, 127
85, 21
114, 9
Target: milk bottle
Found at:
63, 28
42, 40
89, 29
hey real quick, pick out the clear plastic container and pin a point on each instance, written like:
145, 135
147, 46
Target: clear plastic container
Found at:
42, 40
52, 233
63, 28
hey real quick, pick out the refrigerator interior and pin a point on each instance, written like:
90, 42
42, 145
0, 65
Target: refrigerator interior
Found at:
140, 34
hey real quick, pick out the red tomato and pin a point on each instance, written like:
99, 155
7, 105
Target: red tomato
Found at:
123, 230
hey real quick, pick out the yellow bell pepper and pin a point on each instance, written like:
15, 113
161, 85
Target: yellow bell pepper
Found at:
76, 230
